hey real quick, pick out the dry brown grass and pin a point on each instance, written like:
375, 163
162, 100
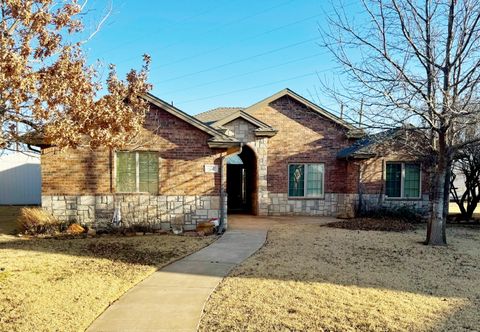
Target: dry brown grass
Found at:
63, 285
312, 278
37, 221
8, 219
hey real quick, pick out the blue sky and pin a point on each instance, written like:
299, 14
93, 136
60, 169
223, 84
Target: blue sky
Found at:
209, 53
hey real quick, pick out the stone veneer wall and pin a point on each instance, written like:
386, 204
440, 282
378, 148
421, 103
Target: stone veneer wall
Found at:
245, 133
335, 204
331, 205
420, 205
160, 212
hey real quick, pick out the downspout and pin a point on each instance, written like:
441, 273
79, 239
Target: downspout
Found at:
223, 184
360, 206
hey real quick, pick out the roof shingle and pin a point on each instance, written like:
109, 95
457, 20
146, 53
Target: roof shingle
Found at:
216, 114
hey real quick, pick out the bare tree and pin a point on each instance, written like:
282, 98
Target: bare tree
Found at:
414, 62
467, 165
47, 86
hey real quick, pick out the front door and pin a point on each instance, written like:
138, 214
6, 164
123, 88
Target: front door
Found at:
238, 197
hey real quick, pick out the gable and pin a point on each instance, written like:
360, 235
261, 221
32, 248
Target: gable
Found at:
217, 139
159, 121
289, 115
258, 128
291, 95
242, 130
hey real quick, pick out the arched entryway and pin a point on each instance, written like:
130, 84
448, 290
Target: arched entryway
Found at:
242, 188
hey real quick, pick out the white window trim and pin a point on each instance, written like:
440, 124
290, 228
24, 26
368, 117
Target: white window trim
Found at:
322, 196
402, 177
137, 173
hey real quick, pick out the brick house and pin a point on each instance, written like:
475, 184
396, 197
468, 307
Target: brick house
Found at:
281, 156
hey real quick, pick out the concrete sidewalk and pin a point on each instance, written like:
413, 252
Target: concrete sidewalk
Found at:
172, 299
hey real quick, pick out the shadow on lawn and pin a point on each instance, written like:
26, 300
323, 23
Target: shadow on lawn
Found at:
310, 253
142, 250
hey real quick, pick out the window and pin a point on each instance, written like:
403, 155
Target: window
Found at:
305, 180
137, 172
402, 180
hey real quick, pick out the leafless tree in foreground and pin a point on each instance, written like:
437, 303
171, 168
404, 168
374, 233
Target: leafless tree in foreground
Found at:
413, 62
467, 164
46, 85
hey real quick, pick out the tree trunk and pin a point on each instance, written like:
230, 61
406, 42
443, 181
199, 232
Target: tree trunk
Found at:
446, 196
436, 230
472, 204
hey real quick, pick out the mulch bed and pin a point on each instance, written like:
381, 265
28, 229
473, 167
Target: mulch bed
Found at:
370, 224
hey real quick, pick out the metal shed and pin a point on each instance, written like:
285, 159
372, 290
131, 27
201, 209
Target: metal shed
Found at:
20, 179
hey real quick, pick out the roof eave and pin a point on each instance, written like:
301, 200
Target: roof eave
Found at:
214, 144
303, 100
35, 138
241, 114
358, 156
185, 117
356, 133
265, 132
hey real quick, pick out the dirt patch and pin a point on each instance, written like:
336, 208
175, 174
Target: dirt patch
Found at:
313, 278
64, 284
371, 224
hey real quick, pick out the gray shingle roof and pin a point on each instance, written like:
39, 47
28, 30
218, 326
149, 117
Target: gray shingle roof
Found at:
365, 147
216, 114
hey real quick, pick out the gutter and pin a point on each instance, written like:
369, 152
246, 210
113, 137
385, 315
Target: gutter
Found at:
223, 184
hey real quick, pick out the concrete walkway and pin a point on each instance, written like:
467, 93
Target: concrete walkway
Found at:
172, 299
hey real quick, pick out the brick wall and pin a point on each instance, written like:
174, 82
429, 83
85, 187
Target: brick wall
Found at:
75, 171
303, 136
78, 185
373, 184
373, 177
183, 152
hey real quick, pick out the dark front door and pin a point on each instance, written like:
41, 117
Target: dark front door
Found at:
241, 182
238, 196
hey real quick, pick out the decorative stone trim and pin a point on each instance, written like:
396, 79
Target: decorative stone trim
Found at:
421, 205
155, 211
336, 204
281, 204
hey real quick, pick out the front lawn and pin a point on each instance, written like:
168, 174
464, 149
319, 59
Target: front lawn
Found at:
63, 285
309, 277
8, 219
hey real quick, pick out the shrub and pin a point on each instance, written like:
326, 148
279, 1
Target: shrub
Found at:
37, 221
403, 213
373, 224
141, 227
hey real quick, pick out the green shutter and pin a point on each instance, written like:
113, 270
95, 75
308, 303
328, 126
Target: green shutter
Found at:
315, 180
394, 180
126, 172
411, 182
148, 172
296, 180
